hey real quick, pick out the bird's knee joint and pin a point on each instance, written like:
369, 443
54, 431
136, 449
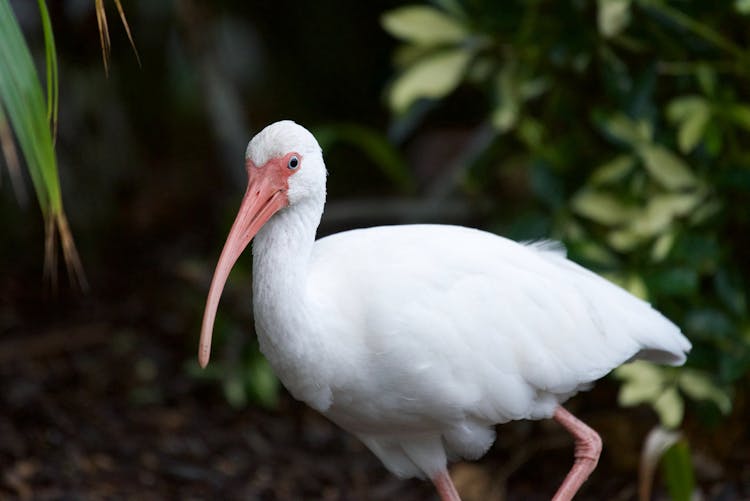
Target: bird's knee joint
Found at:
589, 447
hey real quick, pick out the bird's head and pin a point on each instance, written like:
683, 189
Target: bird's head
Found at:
288, 158
284, 168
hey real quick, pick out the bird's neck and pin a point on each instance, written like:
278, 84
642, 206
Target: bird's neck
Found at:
286, 328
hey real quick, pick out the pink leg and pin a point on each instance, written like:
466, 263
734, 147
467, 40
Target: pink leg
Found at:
444, 485
588, 446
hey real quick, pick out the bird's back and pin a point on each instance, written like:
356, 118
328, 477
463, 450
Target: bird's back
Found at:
482, 305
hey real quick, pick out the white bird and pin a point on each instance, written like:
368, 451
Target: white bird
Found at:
419, 339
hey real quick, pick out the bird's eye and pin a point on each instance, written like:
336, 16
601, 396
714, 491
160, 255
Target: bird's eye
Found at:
293, 163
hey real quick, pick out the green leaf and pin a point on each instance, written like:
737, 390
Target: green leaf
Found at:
740, 115
636, 286
662, 246
691, 130
622, 128
22, 99
662, 210
407, 55
642, 382
596, 254
423, 25
624, 239
682, 107
678, 474
706, 76
613, 17
657, 442
614, 170
533, 88
742, 6
692, 114
670, 407
432, 77
482, 70
600, 206
712, 139
51, 66
632, 393
667, 168
652, 221
698, 386
506, 111
531, 132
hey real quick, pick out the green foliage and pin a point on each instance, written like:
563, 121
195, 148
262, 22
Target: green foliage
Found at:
424, 26
50, 55
663, 388
22, 102
638, 113
678, 472
435, 58
23, 105
668, 448
244, 374
22, 98
432, 77
633, 120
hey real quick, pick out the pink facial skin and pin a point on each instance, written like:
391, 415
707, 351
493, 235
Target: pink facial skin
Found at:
266, 194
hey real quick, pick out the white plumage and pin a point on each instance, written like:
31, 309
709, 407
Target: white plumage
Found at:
419, 339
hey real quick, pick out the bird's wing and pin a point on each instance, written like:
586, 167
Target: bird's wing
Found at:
435, 314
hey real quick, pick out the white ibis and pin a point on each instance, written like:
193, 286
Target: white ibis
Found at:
419, 339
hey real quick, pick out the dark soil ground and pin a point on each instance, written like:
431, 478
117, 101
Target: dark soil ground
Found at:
96, 403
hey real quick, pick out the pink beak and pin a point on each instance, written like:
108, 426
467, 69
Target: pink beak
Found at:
265, 195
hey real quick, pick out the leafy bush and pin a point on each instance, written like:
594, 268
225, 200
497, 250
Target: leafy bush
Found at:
632, 124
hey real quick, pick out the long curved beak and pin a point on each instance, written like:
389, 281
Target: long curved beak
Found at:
263, 198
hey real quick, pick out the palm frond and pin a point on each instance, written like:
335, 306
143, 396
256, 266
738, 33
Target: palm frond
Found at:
50, 53
29, 116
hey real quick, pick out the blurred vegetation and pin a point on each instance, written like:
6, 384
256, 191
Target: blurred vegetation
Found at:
630, 121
